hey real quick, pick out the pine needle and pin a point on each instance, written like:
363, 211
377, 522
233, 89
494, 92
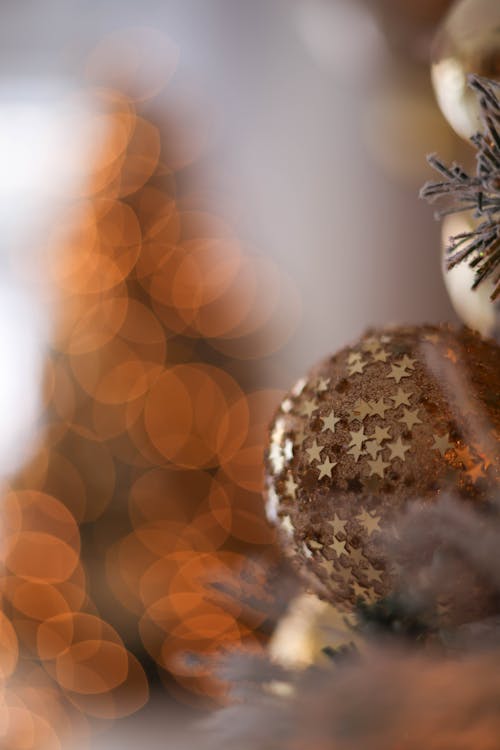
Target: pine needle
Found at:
480, 193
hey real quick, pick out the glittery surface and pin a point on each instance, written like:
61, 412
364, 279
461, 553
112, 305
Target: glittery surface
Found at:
404, 414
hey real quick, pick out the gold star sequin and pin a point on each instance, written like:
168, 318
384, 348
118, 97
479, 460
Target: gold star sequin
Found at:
442, 443
356, 367
314, 452
398, 372
476, 472
329, 421
353, 357
371, 345
398, 449
337, 524
291, 487
380, 356
374, 574
378, 467
344, 573
372, 448
355, 451
410, 418
378, 408
356, 556
371, 523
357, 437
401, 397
322, 385
325, 469
362, 409
338, 547
359, 591
408, 362
381, 434
308, 407
313, 544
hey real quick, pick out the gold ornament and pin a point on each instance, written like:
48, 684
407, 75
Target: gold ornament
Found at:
473, 306
468, 41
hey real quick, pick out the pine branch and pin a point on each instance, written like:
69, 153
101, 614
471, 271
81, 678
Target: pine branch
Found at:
480, 193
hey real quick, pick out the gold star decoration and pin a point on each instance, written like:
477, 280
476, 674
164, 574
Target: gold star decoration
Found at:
362, 409
378, 467
442, 443
313, 544
401, 397
398, 449
344, 573
337, 524
371, 523
408, 362
325, 469
372, 448
398, 372
353, 357
308, 407
356, 367
329, 421
291, 487
374, 574
359, 591
358, 437
356, 556
410, 418
338, 547
322, 384
355, 451
380, 356
378, 408
381, 434
371, 345
314, 452
476, 472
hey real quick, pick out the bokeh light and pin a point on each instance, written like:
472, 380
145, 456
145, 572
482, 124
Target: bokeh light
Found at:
142, 503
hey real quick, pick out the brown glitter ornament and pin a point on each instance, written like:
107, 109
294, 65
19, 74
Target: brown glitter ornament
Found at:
404, 414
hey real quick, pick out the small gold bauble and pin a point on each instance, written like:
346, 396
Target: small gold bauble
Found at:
474, 307
404, 414
468, 41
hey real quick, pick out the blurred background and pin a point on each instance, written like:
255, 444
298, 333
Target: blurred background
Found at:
199, 198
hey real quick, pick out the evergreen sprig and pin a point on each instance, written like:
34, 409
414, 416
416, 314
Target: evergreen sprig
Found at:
479, 193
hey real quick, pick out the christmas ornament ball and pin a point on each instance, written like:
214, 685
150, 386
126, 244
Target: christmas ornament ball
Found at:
468, 41
404, 414
474, 307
